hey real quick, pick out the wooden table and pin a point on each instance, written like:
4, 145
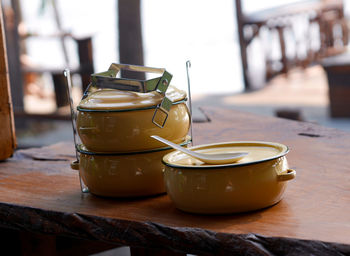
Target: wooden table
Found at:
39, 193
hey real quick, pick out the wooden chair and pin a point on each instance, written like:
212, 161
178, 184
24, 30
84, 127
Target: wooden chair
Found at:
15, 42
326, 14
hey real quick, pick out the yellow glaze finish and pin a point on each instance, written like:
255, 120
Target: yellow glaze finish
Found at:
122, 175
117, 121
255, 182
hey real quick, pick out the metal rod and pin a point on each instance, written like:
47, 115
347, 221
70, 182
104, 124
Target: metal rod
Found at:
72, 112
66, 73
188, 66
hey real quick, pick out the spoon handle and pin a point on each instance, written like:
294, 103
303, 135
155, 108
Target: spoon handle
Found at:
206, 158
173, 145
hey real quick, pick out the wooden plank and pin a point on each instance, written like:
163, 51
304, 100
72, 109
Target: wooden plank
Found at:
40, 193
7, 130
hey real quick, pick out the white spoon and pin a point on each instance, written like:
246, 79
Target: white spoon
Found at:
223, 158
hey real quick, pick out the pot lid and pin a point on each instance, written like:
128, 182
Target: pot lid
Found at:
112, 99
258, 151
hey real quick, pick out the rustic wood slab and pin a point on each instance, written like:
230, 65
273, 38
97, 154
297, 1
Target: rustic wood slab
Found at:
40, 193
7, 126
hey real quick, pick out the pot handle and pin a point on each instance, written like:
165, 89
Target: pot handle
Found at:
75, 165
289, 175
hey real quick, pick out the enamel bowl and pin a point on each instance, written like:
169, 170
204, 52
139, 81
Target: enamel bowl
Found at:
121, 121
257, 181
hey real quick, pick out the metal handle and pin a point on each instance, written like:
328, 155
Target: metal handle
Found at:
289, 175
108, 79
75, 164
188, 66
66, 73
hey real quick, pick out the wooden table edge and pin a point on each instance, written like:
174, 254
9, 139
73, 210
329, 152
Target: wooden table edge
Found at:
158, 236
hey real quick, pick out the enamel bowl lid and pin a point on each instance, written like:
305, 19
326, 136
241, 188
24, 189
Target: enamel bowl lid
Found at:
112, 99
258, 151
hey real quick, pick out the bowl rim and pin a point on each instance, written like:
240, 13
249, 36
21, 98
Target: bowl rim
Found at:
81, 148
233, 165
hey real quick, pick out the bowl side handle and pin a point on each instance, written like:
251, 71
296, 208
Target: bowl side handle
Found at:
289, 175
75, 165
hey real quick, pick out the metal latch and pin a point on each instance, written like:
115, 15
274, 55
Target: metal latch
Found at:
162, 111
109, 79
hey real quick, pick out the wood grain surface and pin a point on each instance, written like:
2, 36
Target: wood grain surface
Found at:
40, 193
7, 130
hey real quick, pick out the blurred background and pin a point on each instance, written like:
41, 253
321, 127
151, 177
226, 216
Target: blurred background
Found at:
278, 58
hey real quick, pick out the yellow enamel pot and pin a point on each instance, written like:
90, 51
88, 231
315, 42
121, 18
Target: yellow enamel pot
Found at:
257, 181
121, 121
122, 175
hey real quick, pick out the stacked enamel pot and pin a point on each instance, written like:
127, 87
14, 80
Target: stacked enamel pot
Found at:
115, 120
